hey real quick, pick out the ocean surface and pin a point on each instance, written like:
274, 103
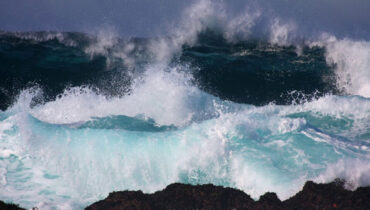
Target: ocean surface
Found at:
86, 114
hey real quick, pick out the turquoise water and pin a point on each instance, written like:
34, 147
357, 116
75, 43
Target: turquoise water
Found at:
255, 149
83, 115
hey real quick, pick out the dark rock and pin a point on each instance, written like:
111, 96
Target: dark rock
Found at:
184, 196
268, 201
329, 196
124, 200
178, 196
9, 206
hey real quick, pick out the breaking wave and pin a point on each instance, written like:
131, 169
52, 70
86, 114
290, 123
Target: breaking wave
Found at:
84, 115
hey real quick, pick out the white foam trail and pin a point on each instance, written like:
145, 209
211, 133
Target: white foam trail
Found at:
234, 148
351, 60
202, 15
355, 171
240, 27
46, 36
165, 96
107, 44
353, 106
194, 20
255, 149
106, 39
281, 33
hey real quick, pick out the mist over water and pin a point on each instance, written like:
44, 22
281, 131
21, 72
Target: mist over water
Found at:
245, 100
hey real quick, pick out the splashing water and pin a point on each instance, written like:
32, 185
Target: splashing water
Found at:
209, 104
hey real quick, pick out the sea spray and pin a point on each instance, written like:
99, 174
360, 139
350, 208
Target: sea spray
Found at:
210, 103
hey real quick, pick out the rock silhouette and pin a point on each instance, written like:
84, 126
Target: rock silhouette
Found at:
184, 196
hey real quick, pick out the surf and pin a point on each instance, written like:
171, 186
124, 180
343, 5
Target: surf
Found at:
212, 102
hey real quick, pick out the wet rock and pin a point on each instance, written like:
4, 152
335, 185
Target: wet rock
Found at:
184, 196
329, 196
178, 196
9, 206
268, 201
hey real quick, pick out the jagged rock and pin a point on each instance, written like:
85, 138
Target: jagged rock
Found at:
184, 196
329, 196
9, 206
124, 200
268, 201
178, 196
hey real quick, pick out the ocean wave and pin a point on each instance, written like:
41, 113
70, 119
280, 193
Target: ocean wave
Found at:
234, 147
212, 102
253, 72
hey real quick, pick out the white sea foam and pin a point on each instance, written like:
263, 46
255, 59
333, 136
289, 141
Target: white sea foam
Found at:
281, 33
255, 149
165, 96
355, 171
105, 41
235, 148
351, 60
197, 18
46, 36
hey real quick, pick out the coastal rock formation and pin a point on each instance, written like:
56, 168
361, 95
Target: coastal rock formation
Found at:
184, 196
9, 206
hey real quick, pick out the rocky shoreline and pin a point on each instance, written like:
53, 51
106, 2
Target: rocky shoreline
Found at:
184, 196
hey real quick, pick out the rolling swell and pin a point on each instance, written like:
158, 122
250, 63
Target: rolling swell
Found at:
257, 72
253, 72
53, 62
164, 127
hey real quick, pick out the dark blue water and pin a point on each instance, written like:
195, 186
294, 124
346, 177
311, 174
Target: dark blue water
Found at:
83, 115
253, 72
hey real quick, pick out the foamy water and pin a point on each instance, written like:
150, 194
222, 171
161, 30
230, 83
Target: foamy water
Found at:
72, 150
